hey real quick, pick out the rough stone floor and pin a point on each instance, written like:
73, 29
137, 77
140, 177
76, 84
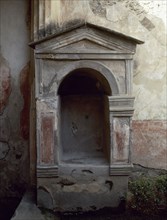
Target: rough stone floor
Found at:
27, 210
103, 216
28, 213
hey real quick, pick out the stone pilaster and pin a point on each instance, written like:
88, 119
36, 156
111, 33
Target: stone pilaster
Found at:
121, 111
47, 158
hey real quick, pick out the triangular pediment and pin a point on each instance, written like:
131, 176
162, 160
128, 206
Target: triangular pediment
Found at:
85, 45
86, 39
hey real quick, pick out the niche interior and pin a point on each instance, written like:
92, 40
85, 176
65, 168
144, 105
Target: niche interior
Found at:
84, 117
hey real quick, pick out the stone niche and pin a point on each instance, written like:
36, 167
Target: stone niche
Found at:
84, 106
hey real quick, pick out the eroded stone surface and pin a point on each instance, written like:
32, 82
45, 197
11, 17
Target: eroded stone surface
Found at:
44, 198
82, 195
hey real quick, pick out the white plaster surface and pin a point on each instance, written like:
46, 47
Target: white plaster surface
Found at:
145, 20
150, 65
157, 8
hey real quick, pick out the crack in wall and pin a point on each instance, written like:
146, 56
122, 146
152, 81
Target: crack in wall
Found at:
99, 7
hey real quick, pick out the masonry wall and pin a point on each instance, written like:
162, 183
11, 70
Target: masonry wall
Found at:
145, 20
14, 97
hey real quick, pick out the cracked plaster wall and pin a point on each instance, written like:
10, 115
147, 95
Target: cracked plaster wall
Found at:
145, 20
14, 73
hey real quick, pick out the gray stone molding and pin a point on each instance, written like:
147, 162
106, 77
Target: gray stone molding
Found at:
108, 35
120, 170
106, 75
47, 171
121, 105
99, 67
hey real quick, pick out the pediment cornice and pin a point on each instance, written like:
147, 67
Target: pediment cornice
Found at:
86, 38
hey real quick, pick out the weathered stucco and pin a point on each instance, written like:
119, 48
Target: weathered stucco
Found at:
150, 143
145, 20
14, 37
5, 83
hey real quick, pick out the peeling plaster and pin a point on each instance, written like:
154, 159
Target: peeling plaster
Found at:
5, 83
65, 11
14, 40
4, 150
156, 8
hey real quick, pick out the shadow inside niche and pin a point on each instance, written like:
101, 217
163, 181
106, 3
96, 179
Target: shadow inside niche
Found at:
8, 207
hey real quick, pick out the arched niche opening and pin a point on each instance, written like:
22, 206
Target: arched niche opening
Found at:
84, 117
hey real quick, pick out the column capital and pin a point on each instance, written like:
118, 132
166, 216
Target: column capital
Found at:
121, 105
